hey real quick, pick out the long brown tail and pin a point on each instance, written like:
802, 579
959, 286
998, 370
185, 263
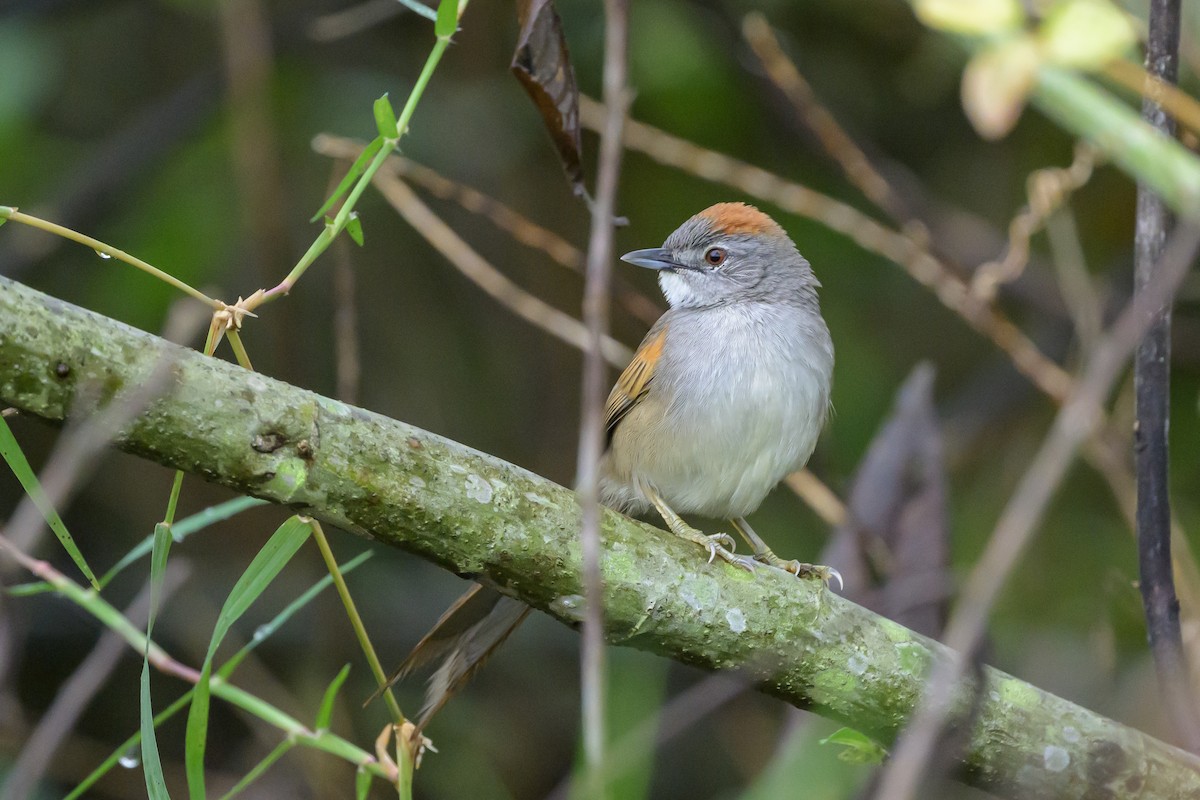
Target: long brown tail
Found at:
462, 639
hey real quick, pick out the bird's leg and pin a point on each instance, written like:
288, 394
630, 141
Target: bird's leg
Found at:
765, 555
718, 545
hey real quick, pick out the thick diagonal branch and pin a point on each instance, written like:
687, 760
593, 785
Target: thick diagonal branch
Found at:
477, 515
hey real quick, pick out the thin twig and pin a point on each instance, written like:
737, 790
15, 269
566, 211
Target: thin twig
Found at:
837, 143
504, 217
595, 380
1152, 388
1075, 282
1047, 189
1075, 422
464, 258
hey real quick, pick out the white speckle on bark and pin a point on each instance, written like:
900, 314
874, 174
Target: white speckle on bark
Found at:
1055, 758
857, 664
478, 489
416, 482
736, 620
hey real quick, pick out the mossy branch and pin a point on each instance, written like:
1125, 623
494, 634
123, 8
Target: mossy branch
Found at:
479, 516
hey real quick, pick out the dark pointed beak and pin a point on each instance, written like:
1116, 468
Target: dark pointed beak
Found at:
652, 258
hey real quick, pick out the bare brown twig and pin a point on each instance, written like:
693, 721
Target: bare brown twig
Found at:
464, 258
504, 217
1152, 372
849, 156
1047, 189
595, 381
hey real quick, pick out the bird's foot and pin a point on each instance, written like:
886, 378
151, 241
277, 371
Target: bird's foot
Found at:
718, 545
801, 569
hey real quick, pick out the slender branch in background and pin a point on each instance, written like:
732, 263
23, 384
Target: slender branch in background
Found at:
1152, 375
1075, 283
1047, 189
1075, 422
515, 224
595, 379
463, 257
837, 143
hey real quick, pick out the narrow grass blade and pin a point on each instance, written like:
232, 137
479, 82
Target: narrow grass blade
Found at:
272, 558
356, 169
15, 458
263, 633
385, 118
156, 784
447, 19
325, 714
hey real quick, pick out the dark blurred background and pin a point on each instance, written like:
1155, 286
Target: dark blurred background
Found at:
180, 131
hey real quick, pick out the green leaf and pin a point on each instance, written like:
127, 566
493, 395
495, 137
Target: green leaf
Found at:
156, 783
356, 169
385, 118
858, 747
11, 452
325, 714
260, 635
354, 228
447, 19
424, 10
972, 17
272, 558
1086, 34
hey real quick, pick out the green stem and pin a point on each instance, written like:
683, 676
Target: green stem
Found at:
335, 227
8, 212
356, 622
239, 349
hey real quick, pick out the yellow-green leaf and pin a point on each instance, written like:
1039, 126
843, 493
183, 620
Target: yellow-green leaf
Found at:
996, 84
1085, 34
972, 17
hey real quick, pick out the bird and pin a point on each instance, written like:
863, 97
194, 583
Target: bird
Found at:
729, 389
725, 396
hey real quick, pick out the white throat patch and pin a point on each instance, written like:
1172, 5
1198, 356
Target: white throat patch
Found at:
676, 289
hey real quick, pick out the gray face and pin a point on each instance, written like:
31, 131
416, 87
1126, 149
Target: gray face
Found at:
701, 267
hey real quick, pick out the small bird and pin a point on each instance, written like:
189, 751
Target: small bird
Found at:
725, 396
730, 388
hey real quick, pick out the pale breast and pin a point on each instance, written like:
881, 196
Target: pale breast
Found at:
738, 401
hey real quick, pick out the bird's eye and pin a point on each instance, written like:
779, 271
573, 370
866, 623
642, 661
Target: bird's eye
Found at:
716, 256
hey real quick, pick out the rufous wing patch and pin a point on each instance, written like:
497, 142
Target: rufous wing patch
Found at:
735, 218
634, 380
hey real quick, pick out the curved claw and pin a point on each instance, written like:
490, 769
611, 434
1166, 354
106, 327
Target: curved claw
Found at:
833, 573
748, 564
802, 570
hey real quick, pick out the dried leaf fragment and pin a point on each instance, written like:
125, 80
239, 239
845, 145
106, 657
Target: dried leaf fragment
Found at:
542, 63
